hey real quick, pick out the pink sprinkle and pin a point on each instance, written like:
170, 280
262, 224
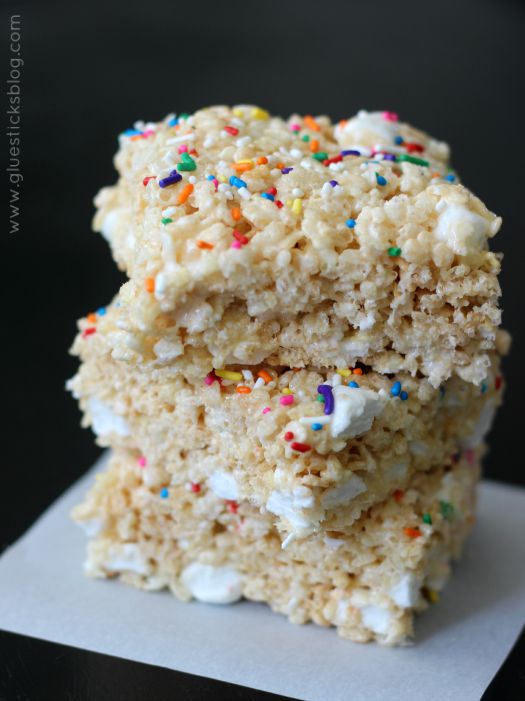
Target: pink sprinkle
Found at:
470, 456
236, 244
147, 133
266, 409
295, 127
286, 399
210, 378
142, 461
390, 116
182, 148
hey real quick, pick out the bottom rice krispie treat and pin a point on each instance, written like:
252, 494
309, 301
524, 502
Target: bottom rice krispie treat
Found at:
367, 581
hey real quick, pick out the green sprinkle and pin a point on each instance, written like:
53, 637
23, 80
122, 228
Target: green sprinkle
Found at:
427, 518
166, 220
412, 159
187, 162
447, 510
305, 137
184, 115
185, 157
320, 156
320, 398
394, 251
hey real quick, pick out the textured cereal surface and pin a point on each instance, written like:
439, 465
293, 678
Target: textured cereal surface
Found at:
367, 582
303, 261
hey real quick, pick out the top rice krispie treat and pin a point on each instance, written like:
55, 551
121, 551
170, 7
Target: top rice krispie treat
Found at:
327, 244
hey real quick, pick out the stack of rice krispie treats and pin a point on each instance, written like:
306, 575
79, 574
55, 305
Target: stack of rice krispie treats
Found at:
297, 378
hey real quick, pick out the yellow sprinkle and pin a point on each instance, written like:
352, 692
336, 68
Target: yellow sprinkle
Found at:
297, 206
245, 160
229, 375
433, 595
222, 178
258, 113
237, 112
286, 390
344, 372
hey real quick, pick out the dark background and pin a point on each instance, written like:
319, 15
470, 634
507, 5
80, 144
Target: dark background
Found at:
454, 69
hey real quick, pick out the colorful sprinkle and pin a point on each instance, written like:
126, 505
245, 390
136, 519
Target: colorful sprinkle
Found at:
142, 461
344, 372
233, 131
394, 251
450, 178
350, 152
166, 220
390, 116
241, 238
412, 532
286, 399
150, 284
265, 375
380, 180
164, 493
403, 396
354, 384
258, 113
412, 159
211, 377
288, 436
229, 375
398, 140
148, 178
297, 206
171, 179
204, 245
300, 447
447, 510
237, 182
101, 311
185, 193
262, 160
396, 389
399, 494
267, 196
498, 382
232, 506
287, 170
326, 392
242, 389
266, 410
427, 518
195, 487
236, 213
320, 156
316, 427
88, 332
310, 123
357, 371
187, 163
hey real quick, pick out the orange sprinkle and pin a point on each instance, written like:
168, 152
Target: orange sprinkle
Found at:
311, 123
412, 532
280, 165
236, 213
242, 389
399, 494
314, 145
241, 167
204, 244
342, 122
262, 161
92, 318
436, 175
265, 375
185, 193
150, 284
357, 371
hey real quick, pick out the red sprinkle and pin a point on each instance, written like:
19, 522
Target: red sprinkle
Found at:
272, 191
88, 332
399, 494
498, 382
288, 436
279, 203
300, 447
232, 506
334, 159
412, 532
413, 148
231, 130
195, 487
241, 238
147, 179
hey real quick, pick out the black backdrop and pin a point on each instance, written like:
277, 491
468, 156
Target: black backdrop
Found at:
452, 68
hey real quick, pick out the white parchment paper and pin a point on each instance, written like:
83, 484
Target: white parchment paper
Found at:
460, 643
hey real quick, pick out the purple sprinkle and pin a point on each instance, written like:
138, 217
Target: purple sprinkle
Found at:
351, 152
172, 178
389, 157
285, 171
326, 392
333, 183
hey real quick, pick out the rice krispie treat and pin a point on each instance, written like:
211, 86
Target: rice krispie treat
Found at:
302, 243
315, 448
368, 581
298, 376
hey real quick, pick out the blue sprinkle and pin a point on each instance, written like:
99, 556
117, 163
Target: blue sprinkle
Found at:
101, 311
333, 183
172, 178
316, 427
210, 177
398, 140
350, 223
237, 182
389, 157
403, 395
484, 387
380, 180
267, 196
350, 152
164, 494
396, 389
173, 122
285, 171
132, 132
450, 178
353, 383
